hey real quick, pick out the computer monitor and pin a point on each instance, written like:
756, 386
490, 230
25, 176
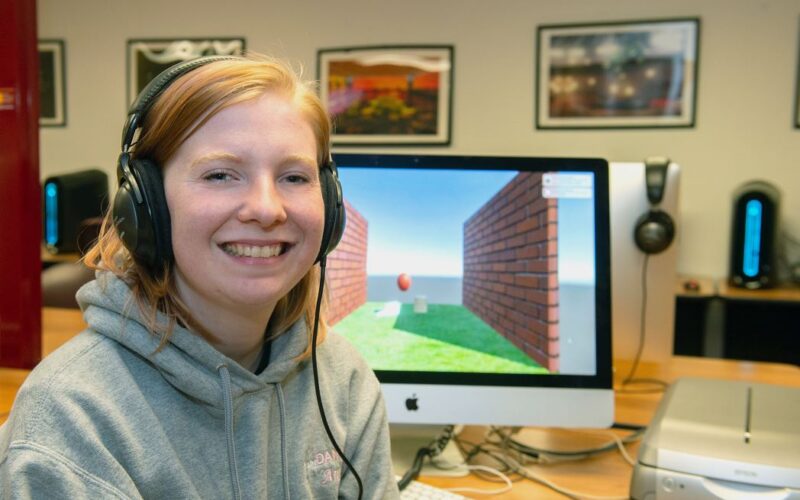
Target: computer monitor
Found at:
478, 288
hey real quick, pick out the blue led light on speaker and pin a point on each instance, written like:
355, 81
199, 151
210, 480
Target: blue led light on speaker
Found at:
752, 238
51, 213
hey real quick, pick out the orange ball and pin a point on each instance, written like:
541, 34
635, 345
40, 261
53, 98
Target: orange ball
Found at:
403, 282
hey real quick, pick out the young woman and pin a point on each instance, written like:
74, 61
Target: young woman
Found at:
194, 379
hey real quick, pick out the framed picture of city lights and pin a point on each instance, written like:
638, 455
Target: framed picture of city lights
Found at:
388, 95
52, 84
149, 57
797, 95
617, 75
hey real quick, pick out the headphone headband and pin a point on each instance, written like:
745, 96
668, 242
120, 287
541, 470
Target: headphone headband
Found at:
152, 90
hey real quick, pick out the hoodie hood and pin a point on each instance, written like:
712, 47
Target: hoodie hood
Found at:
188, 362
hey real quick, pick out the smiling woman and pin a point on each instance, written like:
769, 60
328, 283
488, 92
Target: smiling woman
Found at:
205, 311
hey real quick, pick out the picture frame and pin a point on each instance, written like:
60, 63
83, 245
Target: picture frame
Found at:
391, 95
797, 90
52, 83
626, 74
146, 58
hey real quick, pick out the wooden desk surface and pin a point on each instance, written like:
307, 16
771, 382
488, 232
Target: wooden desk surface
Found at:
718, 287
783, 293
607, 474
706, 286
53, 258
58, 326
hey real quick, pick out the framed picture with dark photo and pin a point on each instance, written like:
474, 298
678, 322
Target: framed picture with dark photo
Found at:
388, 95
149, 57
631, 74
52, 84
797, 92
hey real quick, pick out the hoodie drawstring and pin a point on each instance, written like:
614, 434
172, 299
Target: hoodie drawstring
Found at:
284, 457
227, 398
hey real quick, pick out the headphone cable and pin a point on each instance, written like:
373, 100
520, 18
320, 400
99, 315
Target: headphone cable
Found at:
630, 379
314, 369
642, 324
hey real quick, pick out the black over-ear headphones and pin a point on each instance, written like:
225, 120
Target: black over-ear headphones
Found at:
140, 212
654, 229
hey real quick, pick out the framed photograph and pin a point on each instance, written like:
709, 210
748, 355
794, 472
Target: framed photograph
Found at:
148, 58
634, 74
388, 95
52, 84
797, 93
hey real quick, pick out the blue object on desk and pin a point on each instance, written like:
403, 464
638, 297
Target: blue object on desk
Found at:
51, 213
752, 238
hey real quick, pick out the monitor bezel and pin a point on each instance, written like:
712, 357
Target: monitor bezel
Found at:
602, 379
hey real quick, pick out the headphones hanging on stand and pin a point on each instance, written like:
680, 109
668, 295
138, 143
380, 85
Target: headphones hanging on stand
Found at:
654, 230
140, 211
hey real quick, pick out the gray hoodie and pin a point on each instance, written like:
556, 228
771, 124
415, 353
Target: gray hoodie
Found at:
106, 417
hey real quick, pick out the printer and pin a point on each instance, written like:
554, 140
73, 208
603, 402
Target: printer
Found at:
721, 439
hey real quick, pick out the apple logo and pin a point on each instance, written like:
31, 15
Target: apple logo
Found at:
411, 403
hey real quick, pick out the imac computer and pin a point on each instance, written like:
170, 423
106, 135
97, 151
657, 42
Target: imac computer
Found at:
478, 288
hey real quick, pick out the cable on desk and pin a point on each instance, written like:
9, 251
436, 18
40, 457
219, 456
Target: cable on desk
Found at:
518, 470
627, 427
656, 386
542, 455
490, 470
432, 450
512, 457
470, 451
565, 491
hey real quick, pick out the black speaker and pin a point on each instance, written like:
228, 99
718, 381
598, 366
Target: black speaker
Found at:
69, 200
756, 212
655, 229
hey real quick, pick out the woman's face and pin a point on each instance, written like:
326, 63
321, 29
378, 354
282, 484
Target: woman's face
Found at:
246, 207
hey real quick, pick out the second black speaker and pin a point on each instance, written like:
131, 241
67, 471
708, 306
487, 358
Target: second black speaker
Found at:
756, 212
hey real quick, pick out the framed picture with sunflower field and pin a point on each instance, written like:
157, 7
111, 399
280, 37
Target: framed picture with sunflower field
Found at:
388, 95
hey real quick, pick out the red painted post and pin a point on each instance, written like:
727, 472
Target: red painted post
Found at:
20, 191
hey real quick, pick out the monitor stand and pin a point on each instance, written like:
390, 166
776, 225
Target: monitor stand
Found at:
407, 439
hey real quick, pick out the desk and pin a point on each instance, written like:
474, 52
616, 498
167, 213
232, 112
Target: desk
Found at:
48, 259
58, 326
719, 320
606, 474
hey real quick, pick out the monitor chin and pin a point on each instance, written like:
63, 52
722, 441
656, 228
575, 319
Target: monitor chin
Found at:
478, 405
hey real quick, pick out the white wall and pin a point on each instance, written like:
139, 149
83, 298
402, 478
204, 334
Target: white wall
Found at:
747, 83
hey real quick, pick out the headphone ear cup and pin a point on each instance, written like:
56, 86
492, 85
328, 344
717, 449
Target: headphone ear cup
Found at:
334, 209
144, 227
654, 232
126, 214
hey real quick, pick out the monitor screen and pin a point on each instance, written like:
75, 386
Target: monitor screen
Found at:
478, 288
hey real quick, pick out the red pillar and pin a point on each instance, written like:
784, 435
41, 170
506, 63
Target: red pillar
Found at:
20, 192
